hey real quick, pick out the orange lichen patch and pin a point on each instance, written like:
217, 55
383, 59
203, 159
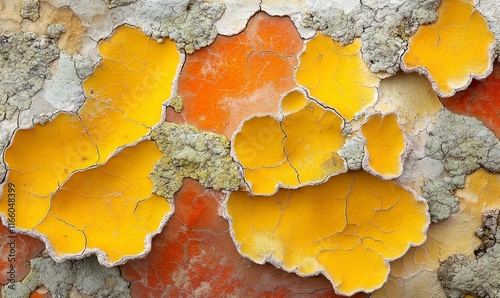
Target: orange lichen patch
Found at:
239, 76
195, 254
109, 207
385, 145
69, 41
337, 75
40, 160
457, 47
293, 151
481, 100
126, 91
339, 228
411, 97
25, 249
452, 236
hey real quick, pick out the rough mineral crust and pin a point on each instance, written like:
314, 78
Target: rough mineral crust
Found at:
479, 278
384, 28
86, 275
463, 145
187, 152
189, 23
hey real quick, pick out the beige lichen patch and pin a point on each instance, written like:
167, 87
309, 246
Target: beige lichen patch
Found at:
411, 97
292, 151
126, 91
385, 145
351, 222
455, 235
109, 207
454, 49
337, 76
187, 152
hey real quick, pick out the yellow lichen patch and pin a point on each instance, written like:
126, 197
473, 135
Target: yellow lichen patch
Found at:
40, 160
337, 76
111, 207
411, 97
454, 49
126, 91
292, 152
351, 222
452, 236
263, 172
385, 145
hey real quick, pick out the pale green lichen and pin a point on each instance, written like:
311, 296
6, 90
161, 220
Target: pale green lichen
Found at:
86, 275
29, 10
463, 144
187, 152
116, 3
176, 104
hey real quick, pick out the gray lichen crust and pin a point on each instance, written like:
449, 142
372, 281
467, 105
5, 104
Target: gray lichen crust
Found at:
463, 144
187, 152
116, 3
86, 275
192, 28
353, 152
384, 30
480, 278
24, 63
29, 10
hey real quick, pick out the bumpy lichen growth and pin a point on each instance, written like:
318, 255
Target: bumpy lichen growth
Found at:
463, 144
461, 276
191, 28
115, 3
86, 275
353, 152
29, 10
176, 103
187, 152
383, 30
23, 68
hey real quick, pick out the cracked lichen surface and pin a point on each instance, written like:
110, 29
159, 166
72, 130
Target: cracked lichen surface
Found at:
463, 145
187, 152
454, 49
337, 228
290, 151
59, 278
337, 76
124, 101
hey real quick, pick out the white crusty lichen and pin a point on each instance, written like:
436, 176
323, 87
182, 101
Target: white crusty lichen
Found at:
191, 24
353, 152
29, 10
460, 276
187, 152
463, 145
384, 28
86, 275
